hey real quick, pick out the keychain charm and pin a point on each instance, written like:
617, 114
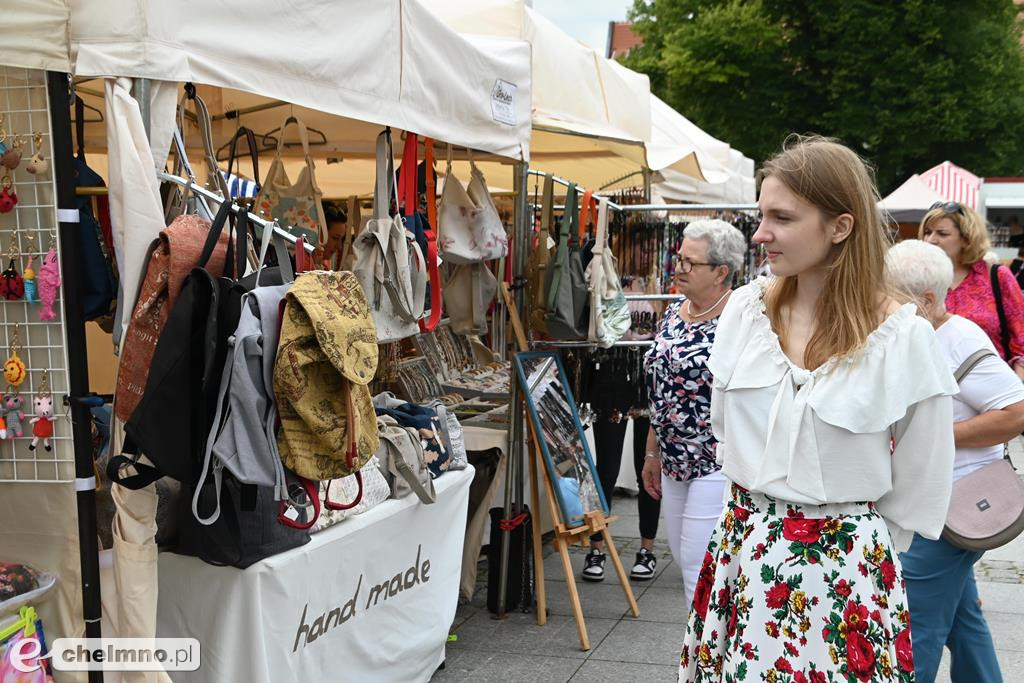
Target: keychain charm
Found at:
10, 410
12, 157
38, 164
49, 283
12, 286
29, 278
14, 367
8, 197
42, 422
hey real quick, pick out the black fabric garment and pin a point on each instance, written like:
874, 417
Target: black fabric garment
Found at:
649, 508
608, 443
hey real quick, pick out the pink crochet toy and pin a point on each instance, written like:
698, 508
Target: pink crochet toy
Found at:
49, 283
42, 423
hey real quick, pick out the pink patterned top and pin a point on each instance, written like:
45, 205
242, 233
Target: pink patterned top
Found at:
973, 299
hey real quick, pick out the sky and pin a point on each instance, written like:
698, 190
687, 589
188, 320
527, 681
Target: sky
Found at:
586, 20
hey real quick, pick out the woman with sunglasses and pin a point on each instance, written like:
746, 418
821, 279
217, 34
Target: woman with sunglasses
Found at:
679, 465
831, 406
960, 232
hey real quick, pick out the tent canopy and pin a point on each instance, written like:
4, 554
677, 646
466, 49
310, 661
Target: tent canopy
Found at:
592, 117
909, 202
728, 174
953, 183
397, 65
35, 34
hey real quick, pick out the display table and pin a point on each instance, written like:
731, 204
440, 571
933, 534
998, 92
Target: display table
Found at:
370, 599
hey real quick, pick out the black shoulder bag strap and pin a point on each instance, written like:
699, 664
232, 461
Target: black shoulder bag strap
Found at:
1004, 330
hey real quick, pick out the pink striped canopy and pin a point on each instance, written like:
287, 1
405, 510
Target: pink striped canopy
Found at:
954, 183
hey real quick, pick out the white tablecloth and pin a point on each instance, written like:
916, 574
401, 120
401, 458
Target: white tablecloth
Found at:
370, 599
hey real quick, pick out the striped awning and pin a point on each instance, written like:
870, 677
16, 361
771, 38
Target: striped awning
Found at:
954, 183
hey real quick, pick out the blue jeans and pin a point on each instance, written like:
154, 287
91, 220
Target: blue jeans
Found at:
944, 610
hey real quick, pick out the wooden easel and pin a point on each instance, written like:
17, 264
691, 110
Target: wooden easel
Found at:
595, 521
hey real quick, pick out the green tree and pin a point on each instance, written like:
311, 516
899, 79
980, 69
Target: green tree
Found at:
907, 84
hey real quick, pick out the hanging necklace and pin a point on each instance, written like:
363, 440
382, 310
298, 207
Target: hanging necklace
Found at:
689, 309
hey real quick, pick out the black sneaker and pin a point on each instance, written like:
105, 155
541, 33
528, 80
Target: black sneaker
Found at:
593, 566
645, 565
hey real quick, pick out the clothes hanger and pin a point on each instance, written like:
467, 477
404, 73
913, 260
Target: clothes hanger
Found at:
85, 106
292, 119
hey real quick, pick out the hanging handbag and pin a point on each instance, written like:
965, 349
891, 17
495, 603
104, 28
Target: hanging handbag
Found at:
388, 263
402, 463
566, 307
470, 227
540, 259
986, 508
468, 293
419, 224
609, 311
338, 494
254, 156
299, 206
179, 200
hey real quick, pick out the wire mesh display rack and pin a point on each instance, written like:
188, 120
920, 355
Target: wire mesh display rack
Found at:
29, 230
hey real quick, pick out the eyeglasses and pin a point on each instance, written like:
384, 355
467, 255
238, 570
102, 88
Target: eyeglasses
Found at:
684, 265
948, 207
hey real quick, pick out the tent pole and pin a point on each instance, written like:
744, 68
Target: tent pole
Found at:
78, 364
513, 460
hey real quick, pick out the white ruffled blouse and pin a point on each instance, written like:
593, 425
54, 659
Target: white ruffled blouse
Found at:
825, 435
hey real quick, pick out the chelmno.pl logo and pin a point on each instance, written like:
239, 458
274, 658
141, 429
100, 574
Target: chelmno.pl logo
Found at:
108, 654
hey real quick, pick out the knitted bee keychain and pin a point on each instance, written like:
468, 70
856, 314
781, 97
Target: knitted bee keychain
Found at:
14, 366
12, 286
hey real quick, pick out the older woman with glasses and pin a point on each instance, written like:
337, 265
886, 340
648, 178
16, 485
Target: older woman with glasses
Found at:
987, 296
679, 466
987, 411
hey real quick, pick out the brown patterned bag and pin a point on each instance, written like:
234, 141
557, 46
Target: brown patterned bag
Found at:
326, 358
172, 257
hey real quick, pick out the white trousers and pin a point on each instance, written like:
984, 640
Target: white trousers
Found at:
691, 510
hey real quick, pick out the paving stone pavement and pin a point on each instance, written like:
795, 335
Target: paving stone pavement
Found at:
624, 648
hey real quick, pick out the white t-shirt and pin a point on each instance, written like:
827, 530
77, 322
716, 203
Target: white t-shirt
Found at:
991, 385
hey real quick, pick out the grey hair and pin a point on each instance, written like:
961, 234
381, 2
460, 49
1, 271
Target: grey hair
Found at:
726, 244
915, 267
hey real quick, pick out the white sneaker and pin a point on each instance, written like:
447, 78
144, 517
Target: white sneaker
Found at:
593, 566
646, 563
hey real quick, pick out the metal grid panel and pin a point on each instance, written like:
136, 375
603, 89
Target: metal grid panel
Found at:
25, 107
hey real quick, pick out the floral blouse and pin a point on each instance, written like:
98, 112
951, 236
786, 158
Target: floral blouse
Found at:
973, 299
679, 390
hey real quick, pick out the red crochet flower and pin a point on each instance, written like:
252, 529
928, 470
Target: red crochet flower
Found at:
778, 595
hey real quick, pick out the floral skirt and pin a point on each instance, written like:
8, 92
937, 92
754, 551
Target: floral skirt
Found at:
798, 594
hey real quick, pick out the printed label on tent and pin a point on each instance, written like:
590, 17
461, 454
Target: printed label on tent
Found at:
503, 102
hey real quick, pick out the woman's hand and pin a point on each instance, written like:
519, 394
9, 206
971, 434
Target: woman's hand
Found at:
651, 475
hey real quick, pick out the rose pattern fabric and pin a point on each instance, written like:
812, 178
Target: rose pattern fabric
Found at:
798, 594
679, 390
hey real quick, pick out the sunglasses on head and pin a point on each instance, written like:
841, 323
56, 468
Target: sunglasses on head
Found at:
948, 207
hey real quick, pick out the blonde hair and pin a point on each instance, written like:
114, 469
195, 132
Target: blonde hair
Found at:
834, 179
971, 226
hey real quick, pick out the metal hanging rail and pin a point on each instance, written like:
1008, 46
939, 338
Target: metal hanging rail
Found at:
214, 197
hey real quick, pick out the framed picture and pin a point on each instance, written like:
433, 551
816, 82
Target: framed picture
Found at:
556, 421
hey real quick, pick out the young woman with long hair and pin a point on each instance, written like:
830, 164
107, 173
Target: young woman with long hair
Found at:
831, 408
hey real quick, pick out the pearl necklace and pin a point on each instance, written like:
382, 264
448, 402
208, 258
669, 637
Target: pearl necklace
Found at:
689, 309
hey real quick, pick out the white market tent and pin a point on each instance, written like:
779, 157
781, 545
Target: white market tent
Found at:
909, 202
397, 65
728, 174
591, 116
